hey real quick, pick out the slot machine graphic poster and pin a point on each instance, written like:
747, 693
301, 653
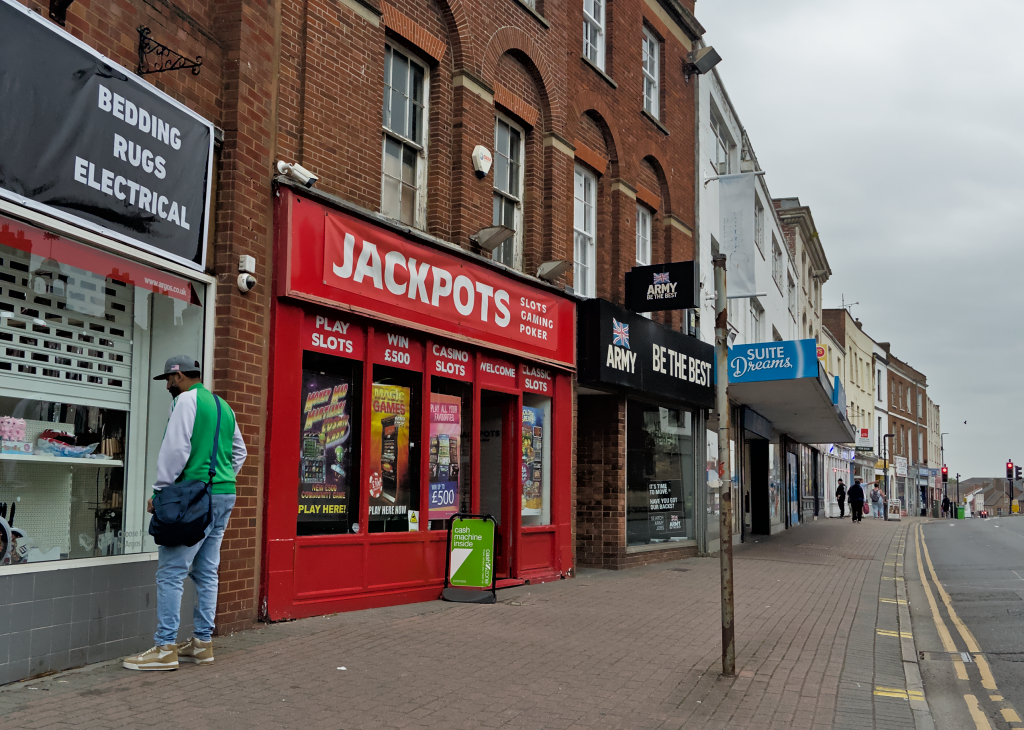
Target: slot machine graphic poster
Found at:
533, 460
390, 487
445, 453
325, 455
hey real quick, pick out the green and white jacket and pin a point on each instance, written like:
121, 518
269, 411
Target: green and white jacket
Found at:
185, 451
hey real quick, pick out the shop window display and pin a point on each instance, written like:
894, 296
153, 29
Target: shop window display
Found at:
536, 463
449, 456
80, 417
659, 467
394, 484
329, 446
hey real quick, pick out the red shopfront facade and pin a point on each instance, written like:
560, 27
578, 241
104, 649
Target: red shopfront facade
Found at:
409, 381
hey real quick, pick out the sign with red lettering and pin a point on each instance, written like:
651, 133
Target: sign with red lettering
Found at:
449, 361
492, 372
344, 261
534, 379
396, 350
332, 335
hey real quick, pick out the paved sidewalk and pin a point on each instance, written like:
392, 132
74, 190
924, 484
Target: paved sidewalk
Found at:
630, 649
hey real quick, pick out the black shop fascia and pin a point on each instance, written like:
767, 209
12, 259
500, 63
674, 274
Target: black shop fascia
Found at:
620, 351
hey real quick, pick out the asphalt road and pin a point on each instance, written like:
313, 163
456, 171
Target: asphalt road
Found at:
971, 626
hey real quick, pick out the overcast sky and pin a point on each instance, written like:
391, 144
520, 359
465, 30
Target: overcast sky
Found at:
900, 124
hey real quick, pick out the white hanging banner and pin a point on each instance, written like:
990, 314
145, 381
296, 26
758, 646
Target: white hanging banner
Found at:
736, 205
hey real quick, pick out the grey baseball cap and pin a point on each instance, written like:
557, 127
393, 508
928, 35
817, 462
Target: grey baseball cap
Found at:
179, 364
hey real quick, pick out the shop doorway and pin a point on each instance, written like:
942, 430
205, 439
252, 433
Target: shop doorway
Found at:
760, 493
498, 473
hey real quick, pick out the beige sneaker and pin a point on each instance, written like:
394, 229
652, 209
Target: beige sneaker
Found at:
196, 651
158, 659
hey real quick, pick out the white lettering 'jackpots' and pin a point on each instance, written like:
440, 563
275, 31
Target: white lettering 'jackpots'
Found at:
408, 277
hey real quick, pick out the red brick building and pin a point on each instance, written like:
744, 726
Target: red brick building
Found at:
908, 421
385, 103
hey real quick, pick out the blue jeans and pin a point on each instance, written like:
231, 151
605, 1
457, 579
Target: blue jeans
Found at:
200, 562
876, 509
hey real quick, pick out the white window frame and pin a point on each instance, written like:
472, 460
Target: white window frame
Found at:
419, 147
594, 31
756, 321
584, 232
651, 73
644, 219
720, 143
776, 262
759, 223
512, 258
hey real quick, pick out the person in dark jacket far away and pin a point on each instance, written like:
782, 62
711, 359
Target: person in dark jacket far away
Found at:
945, 506
841, 498
856, 497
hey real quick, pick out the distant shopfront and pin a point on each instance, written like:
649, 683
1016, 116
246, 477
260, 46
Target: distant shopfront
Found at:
790, 408
410, 381
643, 398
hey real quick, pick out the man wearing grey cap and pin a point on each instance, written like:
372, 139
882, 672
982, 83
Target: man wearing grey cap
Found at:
185, 455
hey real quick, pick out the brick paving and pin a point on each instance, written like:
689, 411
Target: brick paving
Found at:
609, 649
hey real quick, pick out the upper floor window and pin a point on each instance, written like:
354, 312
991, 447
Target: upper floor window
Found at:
776, 262
508, 187
920, 411
404, 147
758, 224
584, 232
651, 74
878, 386
593, 31
722, 145
643, 236
756, 321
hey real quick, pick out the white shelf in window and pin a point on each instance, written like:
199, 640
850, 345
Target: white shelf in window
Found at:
71, 460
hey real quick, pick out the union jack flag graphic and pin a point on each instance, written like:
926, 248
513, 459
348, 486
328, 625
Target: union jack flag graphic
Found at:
661, 278
620, 333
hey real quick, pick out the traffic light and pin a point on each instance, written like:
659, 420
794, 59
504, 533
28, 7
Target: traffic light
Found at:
945, 474
1009, 470
1017, 472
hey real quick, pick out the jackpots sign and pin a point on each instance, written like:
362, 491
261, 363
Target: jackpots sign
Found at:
620, 348
85, 140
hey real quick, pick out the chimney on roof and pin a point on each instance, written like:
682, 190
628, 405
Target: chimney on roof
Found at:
860, 326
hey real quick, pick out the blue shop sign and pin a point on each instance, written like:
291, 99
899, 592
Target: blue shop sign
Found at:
786, 360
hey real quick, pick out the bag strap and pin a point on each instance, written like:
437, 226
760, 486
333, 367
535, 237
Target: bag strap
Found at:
216, 437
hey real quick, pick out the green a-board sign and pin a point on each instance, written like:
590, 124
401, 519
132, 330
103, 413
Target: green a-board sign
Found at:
471, 556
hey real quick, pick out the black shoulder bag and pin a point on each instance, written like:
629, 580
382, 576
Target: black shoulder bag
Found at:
183, 511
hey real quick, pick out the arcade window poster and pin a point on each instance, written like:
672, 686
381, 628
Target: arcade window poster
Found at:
326, 470
536, 486
393, 505
445, 454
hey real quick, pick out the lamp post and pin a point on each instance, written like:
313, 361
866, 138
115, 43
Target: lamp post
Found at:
885, 455
724, 474
942, 452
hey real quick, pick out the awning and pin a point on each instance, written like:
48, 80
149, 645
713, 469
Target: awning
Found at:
785, 383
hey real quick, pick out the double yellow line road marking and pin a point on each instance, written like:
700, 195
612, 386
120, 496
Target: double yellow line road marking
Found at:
987, 680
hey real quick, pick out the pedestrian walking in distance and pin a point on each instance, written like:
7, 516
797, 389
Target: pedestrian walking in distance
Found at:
876, 502
841, 498
945, 506
193, 445
856, 497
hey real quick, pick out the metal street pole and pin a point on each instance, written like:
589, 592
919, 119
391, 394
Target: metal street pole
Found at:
724, 472
885, 451
958, 495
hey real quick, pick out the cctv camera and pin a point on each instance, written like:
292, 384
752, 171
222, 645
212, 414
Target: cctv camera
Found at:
297, 173
246, 283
